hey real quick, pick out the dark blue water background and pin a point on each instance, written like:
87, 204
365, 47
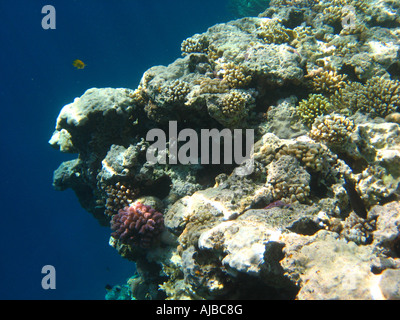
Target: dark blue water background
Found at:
118, 40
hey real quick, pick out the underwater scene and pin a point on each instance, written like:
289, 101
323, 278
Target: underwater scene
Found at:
213, 150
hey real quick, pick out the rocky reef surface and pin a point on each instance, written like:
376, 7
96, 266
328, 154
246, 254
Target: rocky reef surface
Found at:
318, 217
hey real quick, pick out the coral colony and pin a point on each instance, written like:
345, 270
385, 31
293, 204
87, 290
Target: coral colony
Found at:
137, 225
317, 89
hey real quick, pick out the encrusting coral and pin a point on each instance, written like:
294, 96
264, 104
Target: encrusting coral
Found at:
288, 180
137, 225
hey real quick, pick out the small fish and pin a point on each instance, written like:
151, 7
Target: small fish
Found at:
277, 204
108, 287
79, 64
355, 200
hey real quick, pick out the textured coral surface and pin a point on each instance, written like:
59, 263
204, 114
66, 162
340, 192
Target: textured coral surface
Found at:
137, 225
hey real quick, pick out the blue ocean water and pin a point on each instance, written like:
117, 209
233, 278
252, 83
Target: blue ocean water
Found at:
118, 40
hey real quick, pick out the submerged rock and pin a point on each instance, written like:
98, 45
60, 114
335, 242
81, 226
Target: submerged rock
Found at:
315, 92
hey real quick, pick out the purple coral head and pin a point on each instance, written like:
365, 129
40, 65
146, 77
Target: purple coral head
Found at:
137, 225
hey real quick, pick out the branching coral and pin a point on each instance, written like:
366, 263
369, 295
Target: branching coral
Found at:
332, 14
177, 91
357, 29
328, 81
230, 109
118, 197
195, 44
302, 34
382, 95
379, 96
348, 99
334, 10
137, 225
234, 104
333, 129
234, 75
214, 53
309, 109
357, 229
138, 96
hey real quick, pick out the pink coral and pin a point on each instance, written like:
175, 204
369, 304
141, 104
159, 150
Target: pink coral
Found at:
137, 225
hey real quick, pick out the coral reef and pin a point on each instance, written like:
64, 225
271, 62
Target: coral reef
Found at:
383, 96
317, 217
119, 292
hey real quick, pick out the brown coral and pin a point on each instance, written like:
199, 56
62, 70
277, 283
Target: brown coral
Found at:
235, 75
118, 197
349, 99
177, 91
382, 95
379, 96
195, 44
328, 81
333, 129
234, 103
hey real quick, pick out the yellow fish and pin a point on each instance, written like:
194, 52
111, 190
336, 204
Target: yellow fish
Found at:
79, 64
